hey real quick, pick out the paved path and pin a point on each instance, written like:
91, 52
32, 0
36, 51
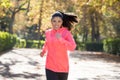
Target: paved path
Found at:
25, 64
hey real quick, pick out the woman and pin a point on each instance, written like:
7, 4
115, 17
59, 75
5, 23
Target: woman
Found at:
58, 41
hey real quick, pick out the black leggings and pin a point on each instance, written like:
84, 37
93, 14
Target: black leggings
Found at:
50, 75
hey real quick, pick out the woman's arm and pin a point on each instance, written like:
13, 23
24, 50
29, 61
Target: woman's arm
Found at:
44, 49
68, 42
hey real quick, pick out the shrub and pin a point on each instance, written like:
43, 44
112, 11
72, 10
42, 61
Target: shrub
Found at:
7, 41
34, 44
90, 46
22, 43
112, 46
80, 46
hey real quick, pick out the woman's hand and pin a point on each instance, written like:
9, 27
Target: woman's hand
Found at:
58, 35
41, 54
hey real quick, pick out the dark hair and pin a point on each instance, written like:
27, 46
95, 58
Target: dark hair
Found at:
68, 19
57, 14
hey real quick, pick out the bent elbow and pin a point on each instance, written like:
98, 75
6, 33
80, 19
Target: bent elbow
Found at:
72, 47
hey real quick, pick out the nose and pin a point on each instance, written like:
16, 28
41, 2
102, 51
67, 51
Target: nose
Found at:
56, 23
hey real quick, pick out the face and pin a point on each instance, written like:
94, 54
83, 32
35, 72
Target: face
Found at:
56, 22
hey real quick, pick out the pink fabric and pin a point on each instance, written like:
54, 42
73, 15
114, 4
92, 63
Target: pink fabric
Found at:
57, 57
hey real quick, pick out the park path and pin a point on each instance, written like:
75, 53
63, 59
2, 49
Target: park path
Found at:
26, 64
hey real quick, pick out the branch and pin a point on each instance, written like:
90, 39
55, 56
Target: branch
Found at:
20, 7
10, 10
28, 6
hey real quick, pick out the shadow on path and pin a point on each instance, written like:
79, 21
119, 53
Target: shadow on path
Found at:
30, 59
13, 60
95, 56
5, 71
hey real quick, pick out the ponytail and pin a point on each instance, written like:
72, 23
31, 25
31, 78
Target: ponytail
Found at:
68, 20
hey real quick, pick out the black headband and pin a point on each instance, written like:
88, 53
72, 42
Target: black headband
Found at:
57, 14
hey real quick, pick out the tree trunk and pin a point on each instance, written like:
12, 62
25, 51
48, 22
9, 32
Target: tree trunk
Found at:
40, 21
85, 34
97, 29
93, 27
11, 23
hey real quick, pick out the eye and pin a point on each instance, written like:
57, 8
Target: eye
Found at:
54, 21
59, 21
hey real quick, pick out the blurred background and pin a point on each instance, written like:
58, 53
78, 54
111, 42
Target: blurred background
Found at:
23, 23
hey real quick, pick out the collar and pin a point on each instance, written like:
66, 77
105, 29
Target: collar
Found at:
60, 29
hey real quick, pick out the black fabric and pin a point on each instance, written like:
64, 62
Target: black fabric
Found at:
51, 75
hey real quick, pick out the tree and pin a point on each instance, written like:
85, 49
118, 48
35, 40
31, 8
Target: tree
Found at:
14, 10
95, 18
11, 8
91, 22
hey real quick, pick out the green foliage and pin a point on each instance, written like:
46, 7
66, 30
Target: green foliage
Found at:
90, 46
80, 45
34, 44
5, 3
112, 46
22, 43
116, 25
7, 41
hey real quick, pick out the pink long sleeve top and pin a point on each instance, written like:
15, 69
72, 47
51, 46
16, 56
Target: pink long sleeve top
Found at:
56, 49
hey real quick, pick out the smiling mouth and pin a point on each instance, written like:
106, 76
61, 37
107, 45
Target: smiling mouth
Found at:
56, 26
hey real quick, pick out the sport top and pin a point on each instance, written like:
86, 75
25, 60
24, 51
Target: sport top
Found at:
56, 49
